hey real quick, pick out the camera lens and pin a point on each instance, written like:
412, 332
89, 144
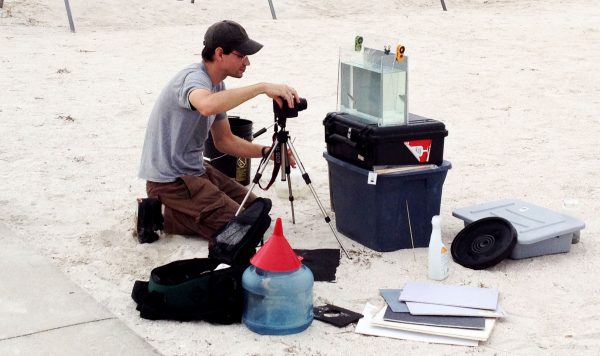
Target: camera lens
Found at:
302, 105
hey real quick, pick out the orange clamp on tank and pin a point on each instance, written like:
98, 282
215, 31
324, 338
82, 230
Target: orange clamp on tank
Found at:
400, 53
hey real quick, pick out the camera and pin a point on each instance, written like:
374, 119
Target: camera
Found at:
285, 111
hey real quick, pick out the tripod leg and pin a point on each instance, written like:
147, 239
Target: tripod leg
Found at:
285, 172
314, 193
257, 176
291, 196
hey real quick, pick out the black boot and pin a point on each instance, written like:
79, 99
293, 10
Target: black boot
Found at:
149, 220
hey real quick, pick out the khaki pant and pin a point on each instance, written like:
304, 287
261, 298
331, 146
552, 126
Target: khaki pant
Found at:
199, 205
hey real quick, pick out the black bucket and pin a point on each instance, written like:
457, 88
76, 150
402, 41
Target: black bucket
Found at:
237, 168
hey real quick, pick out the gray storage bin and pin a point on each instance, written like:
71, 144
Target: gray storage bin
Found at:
540, 231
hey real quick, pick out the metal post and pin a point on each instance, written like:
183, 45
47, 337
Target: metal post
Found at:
71, 24
443, 5
1, 3
273, 10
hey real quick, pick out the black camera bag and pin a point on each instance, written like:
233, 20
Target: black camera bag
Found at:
192, 289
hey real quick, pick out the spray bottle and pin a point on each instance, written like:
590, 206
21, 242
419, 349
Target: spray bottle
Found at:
437, 253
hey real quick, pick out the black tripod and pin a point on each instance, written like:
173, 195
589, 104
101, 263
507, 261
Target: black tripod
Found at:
280, 146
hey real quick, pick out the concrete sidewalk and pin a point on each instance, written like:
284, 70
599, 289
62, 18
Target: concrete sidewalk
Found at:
43, 313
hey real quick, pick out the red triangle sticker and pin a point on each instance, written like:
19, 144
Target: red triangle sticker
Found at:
420, 149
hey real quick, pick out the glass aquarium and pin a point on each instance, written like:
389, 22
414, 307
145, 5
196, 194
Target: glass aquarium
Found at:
374, 86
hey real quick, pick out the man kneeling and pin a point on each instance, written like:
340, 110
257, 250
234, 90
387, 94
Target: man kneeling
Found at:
194, 199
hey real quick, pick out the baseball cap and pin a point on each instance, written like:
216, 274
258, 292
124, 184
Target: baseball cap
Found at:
230, 35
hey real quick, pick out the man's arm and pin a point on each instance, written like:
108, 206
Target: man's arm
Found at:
225, 141
207, 103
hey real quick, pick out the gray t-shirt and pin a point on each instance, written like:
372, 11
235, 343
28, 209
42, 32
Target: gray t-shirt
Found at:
175, 136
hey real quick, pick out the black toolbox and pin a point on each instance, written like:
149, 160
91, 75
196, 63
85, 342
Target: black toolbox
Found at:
355, 140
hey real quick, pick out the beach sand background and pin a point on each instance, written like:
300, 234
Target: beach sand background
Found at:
516, 83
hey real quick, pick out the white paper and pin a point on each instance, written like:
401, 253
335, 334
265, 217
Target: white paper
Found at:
458, 296
447, 310
222, 266
470, 334
364, 327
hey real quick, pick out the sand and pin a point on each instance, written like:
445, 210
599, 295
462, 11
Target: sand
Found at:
516, 83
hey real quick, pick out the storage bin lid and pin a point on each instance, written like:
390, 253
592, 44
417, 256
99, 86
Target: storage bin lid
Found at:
533, 223
446, 165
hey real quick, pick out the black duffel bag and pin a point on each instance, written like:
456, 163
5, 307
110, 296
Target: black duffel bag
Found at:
210, 288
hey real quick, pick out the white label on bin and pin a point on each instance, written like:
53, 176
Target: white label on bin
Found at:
420, 149
372, 178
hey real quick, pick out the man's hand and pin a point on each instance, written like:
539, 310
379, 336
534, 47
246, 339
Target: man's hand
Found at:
280, 92
290, 156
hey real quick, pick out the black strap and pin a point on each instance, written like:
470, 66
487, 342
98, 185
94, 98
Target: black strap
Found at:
276, 164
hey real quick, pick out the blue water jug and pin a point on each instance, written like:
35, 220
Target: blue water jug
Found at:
277, 289
277, 303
